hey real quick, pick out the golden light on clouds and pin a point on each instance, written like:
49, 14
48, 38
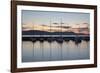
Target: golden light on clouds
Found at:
76, 28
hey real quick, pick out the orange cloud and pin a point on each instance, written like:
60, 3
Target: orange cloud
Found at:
73, 28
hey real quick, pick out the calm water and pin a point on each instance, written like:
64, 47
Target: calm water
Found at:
45, 51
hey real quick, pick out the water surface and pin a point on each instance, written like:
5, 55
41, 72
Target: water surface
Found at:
54, 51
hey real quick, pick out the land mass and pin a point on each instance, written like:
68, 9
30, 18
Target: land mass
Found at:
38, 32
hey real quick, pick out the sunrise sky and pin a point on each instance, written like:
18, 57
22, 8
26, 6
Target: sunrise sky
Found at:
58, 21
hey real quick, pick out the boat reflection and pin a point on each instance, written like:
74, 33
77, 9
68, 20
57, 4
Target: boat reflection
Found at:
34, 51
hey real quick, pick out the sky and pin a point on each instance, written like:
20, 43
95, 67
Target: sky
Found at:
36, 19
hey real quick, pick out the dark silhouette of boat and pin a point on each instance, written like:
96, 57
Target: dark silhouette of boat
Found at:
33, 39
41, 39
50, 39
60, 40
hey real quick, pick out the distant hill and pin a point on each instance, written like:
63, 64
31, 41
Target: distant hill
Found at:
37, 32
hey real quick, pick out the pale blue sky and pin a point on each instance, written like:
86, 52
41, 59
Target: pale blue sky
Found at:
44, 17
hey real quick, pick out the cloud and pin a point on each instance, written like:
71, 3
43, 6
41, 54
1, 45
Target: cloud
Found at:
82, 25
77, 28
